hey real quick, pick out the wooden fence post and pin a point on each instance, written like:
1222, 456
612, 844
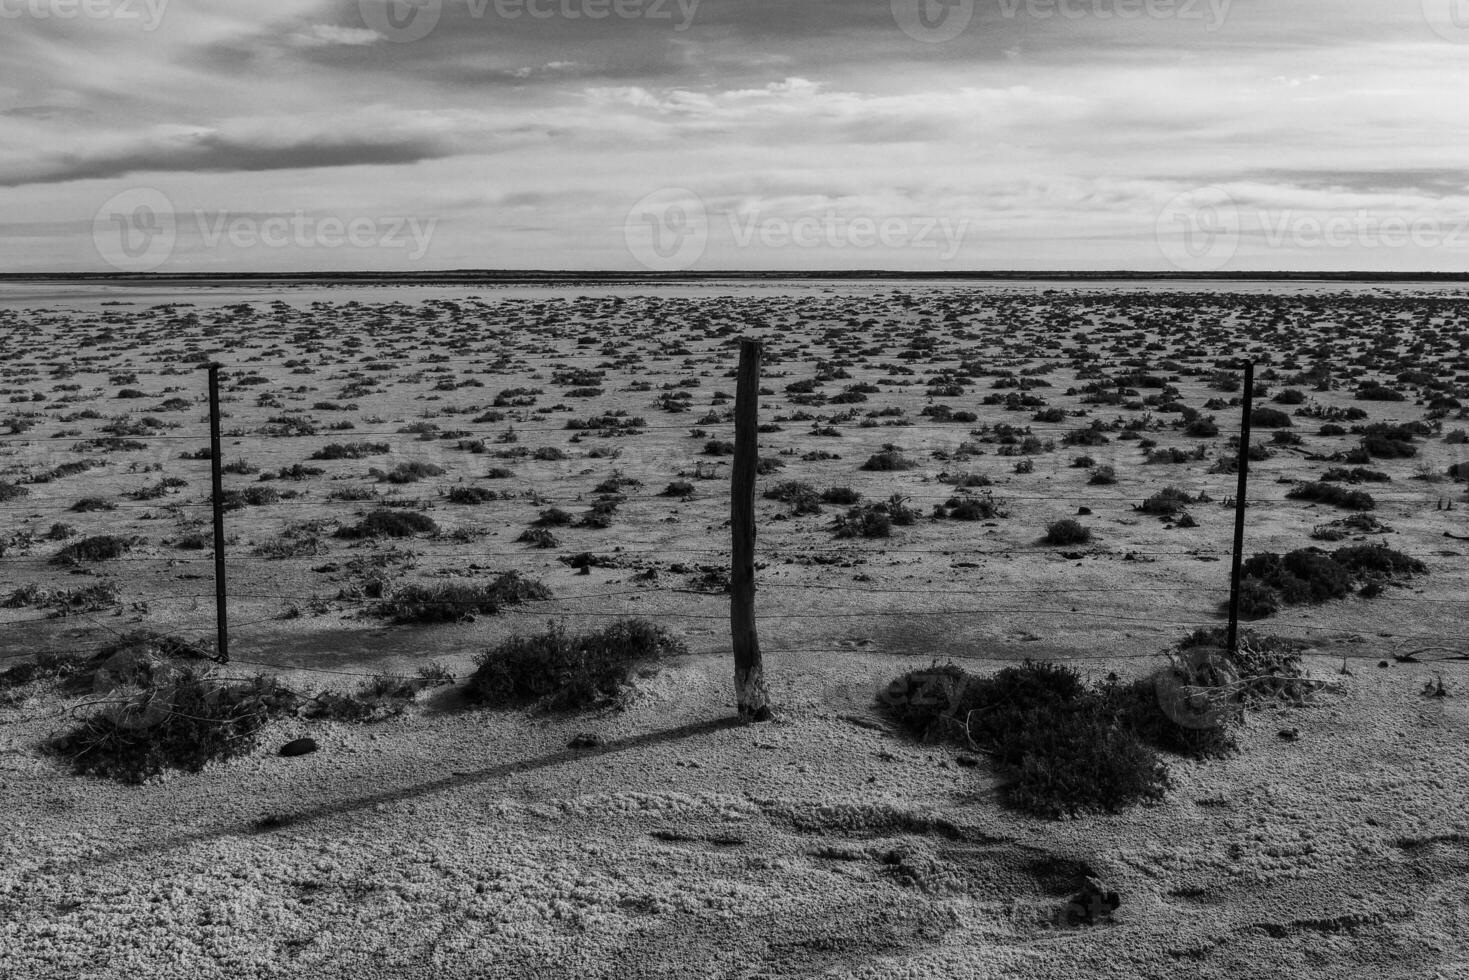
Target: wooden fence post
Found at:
1232, 643
751, 694
216, 466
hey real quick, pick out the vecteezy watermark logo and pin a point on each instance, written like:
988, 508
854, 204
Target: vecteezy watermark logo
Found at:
1211, 12
148, 14
136, 231
402, 21
413, 20
1449, 19
1199, 230
933, 21
139, 230
668, 230
836, 232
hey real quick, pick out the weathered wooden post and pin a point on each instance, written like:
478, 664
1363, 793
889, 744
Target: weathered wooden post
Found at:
216, 466
750, 692
1232, 644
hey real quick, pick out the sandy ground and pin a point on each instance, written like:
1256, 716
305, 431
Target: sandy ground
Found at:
454, 842
470, 843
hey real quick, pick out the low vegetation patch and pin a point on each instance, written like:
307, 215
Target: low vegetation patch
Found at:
390, 524
875, 520
452, 602
1312, 576
561, 671
99, 547
1330, 493
1067, 531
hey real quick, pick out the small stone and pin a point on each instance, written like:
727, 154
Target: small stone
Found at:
299, 746
1094, 903
1289, 734
585, 740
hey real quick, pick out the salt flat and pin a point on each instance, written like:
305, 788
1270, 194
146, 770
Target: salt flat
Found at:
454, 841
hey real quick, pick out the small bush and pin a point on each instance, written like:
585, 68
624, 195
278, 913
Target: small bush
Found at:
471, 495
171, 717
390, 524
1102, 476
1167, 502
1270, 418
875, 520
887, 461
1057, 743
559, 671
457, 601
1067, 531
11, 491
1330, 493
101, 547
539, 537
351, 450
680, 489
409, 472
719, 447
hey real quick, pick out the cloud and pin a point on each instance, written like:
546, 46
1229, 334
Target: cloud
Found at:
214, 152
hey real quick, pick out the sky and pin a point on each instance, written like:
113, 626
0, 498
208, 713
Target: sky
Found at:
217, 136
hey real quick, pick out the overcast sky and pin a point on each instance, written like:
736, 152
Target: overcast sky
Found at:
297, 135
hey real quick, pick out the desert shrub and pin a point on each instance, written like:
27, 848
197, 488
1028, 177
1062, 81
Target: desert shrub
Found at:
1257, 600
167, 716
887, 461
1332, 429
553, 517
801, 496
1202, 428
1136, 706
90, 504
1103, 475
548, 454
352, 493
1091, 435
1330, 493
408, 472
471, 495
1375, 392
449, 602
45, 667
1269, 418
719, 447
1371, 560
681, 489
539, 537
1067, 531
295, 472
378, 698
1459, 471
10, 491
874, 520
1305, 575
351, 450
390, 524
845, 496
1056, 742
99, 547
1457, 437
1166, 502
1256, 654
561, 671
1342, 474
971, 508
499, 473
1290, 396
1387, 447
